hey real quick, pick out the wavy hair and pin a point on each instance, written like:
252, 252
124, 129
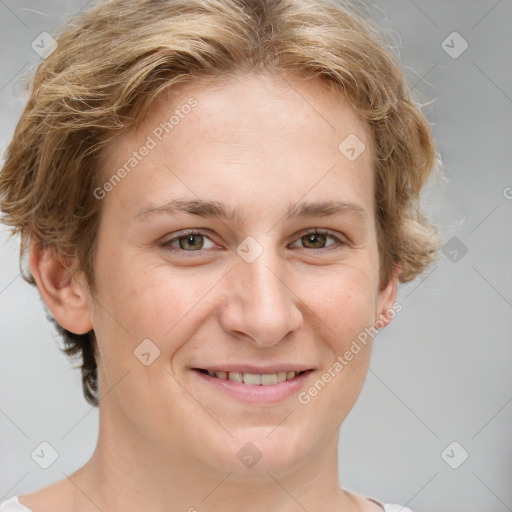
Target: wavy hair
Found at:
114, 59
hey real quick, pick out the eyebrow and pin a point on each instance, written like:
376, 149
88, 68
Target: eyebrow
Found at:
215, 209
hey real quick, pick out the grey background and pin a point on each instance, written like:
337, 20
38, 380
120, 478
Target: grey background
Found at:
441, 372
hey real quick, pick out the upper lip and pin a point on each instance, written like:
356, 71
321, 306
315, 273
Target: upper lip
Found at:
249, 368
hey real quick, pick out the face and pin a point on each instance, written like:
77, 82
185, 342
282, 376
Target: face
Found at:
259, 281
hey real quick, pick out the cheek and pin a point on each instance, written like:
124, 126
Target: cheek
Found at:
153, 302
345, 305
344, 300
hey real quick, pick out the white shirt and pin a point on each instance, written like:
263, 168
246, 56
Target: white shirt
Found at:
13, 505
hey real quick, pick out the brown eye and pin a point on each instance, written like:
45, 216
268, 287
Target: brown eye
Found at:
317, 240
189, 242
314, 240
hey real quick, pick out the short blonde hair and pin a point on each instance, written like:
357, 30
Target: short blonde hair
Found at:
113, 60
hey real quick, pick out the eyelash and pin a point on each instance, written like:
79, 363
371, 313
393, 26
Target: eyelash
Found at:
339, 242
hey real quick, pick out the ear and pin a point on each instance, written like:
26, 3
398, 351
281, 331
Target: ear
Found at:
65, 296
386, 299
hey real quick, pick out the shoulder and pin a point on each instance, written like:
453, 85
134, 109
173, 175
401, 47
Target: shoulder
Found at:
13, 505
395, 508
56, 497
388, 507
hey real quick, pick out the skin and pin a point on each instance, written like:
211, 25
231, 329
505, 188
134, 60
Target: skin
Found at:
168, 440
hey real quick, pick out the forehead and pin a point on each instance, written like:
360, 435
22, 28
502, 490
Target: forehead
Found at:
245, 101
245, 139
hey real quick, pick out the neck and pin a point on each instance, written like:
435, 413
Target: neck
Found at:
126, 472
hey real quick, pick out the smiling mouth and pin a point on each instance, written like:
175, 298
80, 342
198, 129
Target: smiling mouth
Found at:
254, 379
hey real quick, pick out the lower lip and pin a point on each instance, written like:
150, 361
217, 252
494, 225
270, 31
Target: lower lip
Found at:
271, 394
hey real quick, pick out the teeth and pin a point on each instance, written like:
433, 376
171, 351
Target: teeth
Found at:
236, 376
268, 380
254, 379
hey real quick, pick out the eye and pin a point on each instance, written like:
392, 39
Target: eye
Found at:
316, 239
192, 240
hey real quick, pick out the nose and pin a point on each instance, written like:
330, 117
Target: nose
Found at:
261, 305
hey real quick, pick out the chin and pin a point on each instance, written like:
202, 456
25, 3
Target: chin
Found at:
256, 451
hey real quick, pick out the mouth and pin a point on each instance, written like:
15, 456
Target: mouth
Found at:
253, 379
261, 387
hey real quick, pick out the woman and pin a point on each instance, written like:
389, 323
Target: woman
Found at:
218, 199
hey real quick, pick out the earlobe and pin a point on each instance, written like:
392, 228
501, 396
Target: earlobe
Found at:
387, 299
64, 295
